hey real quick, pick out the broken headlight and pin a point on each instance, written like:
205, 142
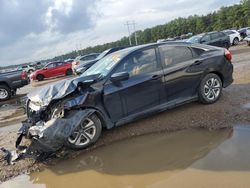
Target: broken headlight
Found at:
58, 113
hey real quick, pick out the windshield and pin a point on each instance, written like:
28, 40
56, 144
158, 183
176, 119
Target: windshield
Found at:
103, 66
102, 54
195, 39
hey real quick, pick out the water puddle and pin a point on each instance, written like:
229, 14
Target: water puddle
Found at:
189, 158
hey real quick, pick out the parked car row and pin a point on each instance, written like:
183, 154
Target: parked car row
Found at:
224, 38
84, 65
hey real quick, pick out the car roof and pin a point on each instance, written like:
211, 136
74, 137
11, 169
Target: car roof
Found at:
135, 48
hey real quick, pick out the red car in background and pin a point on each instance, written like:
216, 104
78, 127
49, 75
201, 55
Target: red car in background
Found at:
52, 69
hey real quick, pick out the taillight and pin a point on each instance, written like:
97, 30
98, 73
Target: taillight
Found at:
228, 55
24, 75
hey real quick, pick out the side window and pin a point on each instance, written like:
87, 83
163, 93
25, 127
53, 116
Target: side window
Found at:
87, 58
224, 35
142, 62
175, 54
215, 36
51, 65
206, 38
60, 63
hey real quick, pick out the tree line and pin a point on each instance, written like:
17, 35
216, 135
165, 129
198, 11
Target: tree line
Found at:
235, 16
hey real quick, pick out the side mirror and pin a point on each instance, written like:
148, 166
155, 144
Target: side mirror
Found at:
118, 77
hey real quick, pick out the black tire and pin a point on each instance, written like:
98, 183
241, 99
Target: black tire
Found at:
226, 45
91, 137
210, 89
236, 41
69, 72
5, 92
40, 77
30, 71
248, 43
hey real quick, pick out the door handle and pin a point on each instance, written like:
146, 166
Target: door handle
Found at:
197, 62
156, 77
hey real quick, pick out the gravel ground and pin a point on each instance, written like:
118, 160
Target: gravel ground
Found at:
232, 109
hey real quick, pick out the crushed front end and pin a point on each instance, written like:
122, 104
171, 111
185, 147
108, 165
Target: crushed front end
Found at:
48, 126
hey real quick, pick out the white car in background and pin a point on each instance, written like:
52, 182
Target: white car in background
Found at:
27, 68
234, 36
247, 39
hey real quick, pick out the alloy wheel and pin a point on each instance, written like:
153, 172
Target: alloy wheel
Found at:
3, 93
84, 134
212, 89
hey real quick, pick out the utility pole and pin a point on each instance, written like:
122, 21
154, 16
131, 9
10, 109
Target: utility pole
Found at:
129, 36
133, 23
128, 24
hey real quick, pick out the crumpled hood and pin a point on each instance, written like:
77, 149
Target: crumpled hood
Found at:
57, 90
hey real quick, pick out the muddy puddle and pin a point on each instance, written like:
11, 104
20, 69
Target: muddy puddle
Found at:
189, 158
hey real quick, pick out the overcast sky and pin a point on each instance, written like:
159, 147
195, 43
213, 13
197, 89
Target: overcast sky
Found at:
31, 30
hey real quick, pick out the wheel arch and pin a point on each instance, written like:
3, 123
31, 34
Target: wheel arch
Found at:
40, 74
105, 121
218, 74
5, 83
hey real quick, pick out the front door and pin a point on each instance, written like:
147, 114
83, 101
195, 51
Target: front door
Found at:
142, 91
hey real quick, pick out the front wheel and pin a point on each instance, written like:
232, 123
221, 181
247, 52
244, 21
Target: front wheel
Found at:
40, 77
86, 133
69, 72
210, 89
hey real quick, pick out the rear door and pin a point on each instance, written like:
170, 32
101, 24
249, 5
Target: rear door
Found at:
180, 76
49, 72
61, 68
142, 91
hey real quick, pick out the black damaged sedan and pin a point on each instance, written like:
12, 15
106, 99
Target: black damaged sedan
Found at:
128, 84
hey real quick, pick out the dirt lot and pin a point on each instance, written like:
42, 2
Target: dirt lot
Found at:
232, 109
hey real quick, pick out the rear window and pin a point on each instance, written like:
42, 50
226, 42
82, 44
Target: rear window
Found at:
229, 32
87, 58
197, 51
221, 34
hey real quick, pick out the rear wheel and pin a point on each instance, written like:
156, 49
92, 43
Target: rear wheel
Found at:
69, 72
210, 89
86, 133
248, 43
236, 41
40, 77
5, 92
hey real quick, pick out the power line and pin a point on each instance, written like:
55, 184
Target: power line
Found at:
133, 24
